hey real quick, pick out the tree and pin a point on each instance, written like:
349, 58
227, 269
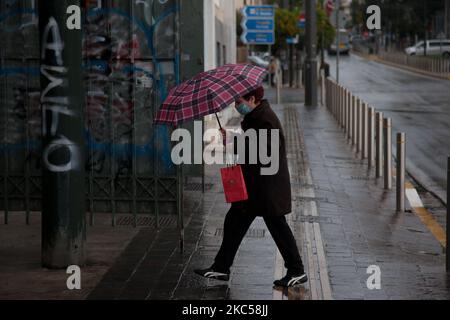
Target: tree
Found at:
325, 30
404, 18
286, 26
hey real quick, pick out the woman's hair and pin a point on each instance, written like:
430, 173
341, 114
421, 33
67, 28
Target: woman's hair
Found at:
258, 93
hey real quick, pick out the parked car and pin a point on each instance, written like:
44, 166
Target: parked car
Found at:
344, 43
434, 47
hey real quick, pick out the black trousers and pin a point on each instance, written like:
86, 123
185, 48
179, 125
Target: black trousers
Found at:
237, 223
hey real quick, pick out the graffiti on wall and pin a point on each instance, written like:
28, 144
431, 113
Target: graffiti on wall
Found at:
130, 63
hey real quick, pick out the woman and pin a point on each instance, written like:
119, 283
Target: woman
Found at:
273, 66
269, 196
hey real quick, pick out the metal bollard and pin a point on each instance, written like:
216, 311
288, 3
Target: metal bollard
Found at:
347, 119
401, 152
371, 138
354, 120
447, 250
359, 126
338, 115
336, 100
379, 145
344, 110
341, 104
330, 99
364, 110
341, 111
344, 104
336, 107
333, 97
387, 134
279, 80
322, 96
349, 112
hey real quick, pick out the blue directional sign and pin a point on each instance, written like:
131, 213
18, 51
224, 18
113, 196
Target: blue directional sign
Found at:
292, 40
258, 37
258, 25
259, 12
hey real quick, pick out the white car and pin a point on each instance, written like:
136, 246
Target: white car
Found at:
434, 47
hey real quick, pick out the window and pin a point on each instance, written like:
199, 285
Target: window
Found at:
224, 54
218, 55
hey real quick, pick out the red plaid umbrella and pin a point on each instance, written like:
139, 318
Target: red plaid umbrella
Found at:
209, 92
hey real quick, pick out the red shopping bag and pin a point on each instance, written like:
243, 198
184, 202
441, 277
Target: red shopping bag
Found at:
234, 184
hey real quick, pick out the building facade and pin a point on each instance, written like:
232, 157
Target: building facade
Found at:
219, 44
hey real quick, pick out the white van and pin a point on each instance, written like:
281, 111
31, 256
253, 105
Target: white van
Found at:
434, 47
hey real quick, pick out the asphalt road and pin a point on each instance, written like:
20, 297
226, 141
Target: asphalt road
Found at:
418, 105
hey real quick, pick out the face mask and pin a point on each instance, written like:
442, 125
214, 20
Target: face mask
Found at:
244, 109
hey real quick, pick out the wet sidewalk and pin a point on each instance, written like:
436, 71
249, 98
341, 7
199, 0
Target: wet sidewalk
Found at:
342, 219
361, 227
152, 266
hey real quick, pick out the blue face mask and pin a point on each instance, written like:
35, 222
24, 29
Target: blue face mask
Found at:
244, 109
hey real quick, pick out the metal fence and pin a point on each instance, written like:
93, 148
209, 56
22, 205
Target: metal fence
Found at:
433, 64
130, 54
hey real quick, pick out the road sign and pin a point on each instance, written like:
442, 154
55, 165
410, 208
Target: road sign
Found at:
259, 12
258, 25
329, 7
292, 40
302, 21
267, 38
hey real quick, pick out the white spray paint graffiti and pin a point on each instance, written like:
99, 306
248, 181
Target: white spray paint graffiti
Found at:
55, 104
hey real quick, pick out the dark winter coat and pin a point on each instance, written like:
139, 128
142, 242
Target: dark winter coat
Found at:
268, 195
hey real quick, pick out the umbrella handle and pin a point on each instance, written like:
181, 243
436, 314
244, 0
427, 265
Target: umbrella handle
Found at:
217, 117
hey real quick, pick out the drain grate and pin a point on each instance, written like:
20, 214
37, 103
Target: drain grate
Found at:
339, 158
312, 219
194, 186
359, 178
252, 233
164, 221
316, 199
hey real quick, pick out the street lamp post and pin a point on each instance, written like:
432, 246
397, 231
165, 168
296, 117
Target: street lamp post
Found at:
62, 103
338, 38
311, 54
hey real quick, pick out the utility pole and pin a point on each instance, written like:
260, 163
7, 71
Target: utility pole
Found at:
426, 28
311, 54
62, 103
338, 37
290, 48
447, 18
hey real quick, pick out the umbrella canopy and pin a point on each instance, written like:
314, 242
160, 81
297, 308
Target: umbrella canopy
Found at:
209, 92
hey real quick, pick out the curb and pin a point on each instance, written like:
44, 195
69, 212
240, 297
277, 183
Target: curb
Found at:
424, 215
399, 66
